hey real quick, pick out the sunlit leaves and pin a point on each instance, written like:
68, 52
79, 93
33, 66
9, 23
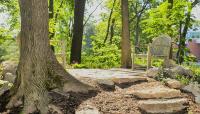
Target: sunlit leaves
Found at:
166, 21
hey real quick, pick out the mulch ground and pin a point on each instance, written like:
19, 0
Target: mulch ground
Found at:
107, 102
111, 102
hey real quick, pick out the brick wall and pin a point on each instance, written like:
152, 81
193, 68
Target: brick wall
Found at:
194, 48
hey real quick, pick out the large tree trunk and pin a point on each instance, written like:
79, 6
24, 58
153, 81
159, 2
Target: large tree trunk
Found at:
125, 42
38, 70
77, 31
32, 69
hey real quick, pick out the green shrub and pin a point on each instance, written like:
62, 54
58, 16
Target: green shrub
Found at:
103, 57
196, 70
183, 79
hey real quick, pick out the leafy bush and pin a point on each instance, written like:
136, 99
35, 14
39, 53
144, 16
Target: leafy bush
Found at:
196, 70
143, 61
103, 57
183, 79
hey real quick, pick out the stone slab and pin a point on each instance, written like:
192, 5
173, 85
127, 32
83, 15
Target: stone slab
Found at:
163, 106
155, 92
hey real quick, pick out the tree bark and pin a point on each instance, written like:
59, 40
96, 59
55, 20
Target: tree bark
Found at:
38, 70
77, 31
126, 61
109, 19
32, 69
170, 6
137, 31
181, 51
112, 30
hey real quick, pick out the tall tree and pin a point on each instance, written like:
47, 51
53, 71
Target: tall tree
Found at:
109, 20
79, 7
126, 60
182, 46
169, 26
38, 70
139, 7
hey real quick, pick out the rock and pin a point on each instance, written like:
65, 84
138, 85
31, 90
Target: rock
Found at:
9, 66
197, 99
155, 92
106, 84
4, 86
88, 109
168, 63
151, 80
167, 72
2, 82
54, 109
172, 83
180, 70
193, 88
126, 82
9, 77
153, 72
163, 106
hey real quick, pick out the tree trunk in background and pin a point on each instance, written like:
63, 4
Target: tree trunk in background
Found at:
181, 51
51, 16
170, 6
171, 2
112, 30
182, 46
109, 19
77, 31
38, 70
137, 32
126, 60
179, 46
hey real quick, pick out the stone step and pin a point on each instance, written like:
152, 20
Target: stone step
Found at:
87, 109
155, 92
123, 82
163, 106
130, 79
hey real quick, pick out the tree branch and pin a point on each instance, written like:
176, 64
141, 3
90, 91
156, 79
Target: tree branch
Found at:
140, 12
92, 13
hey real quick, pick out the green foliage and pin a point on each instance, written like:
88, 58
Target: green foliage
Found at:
80, 66
157, 19
190, 58
11, 51
183, 79
143, 62
103, 57
196, 70
161, 20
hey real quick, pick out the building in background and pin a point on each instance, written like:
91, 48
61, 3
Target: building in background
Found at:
193, 43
